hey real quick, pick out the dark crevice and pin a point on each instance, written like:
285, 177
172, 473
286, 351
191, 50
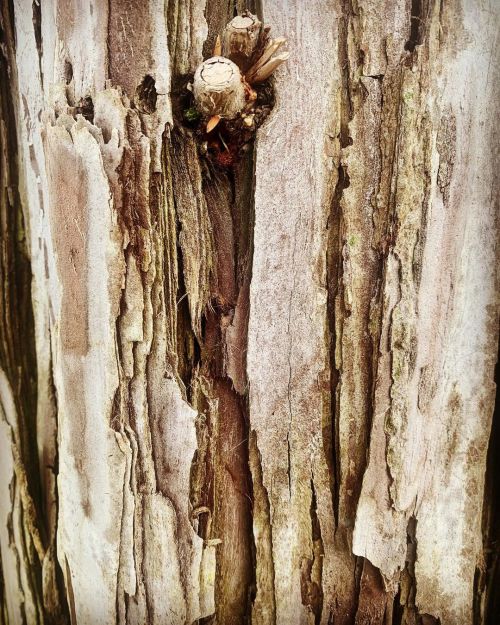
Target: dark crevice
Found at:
146, 95
487, 582
85, 107
37, 29
71, 594
262, 509
331, 437
221, 490
404, 608
17, 329
359, 563
61, 613
17, 341
419, 10
371, 594
188, 347
289, 465
3, 596
229, 448
312, 568
68, 71
414, 39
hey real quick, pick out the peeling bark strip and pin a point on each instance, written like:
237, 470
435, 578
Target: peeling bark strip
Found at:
247, 383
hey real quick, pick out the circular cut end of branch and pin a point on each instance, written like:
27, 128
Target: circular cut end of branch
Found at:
242, 22
218, 88
216, 74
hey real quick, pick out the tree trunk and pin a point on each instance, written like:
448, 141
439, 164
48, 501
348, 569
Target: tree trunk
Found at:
249, 384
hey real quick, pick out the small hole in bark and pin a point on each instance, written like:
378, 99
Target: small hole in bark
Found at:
146, 95
85, 108
68, 72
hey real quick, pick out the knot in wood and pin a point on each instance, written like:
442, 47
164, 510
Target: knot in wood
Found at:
218, 88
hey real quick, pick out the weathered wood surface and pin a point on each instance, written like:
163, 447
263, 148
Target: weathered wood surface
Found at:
288, 332
263, 394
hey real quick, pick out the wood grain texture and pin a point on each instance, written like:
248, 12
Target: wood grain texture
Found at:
433, 402
287, 348
263, 392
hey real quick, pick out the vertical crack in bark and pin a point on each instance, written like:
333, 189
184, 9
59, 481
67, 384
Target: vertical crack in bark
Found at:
331, 437
334, 267
373, 597
71, 594
418, 20
37, 29
232, 493
17, 334
290, 372
334, 272
404, 609
487, 579
55, 599
264, 602
188, 351
221, 488
311, 569
3, 596
36, 538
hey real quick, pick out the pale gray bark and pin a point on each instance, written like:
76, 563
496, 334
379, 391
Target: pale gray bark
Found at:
264, 385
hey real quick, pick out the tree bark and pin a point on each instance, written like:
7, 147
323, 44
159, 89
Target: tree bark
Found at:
253, 387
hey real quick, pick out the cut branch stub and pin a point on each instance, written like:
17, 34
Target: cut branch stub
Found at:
240, 39
218, 88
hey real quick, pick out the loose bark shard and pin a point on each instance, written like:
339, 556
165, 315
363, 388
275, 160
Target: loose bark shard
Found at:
218, 88
273, 46
212, 122
268, 68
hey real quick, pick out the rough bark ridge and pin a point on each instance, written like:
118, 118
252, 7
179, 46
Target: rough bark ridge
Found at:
257, 394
